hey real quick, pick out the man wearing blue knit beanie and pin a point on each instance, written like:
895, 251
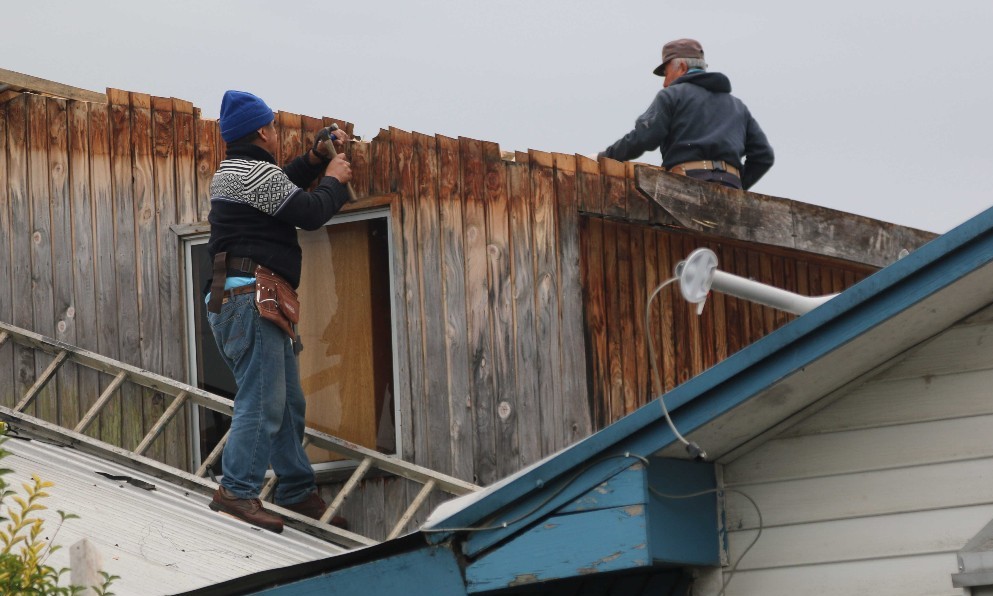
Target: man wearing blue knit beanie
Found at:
255, 209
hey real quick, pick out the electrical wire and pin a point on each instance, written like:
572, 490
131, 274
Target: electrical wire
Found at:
724, 585
694, 450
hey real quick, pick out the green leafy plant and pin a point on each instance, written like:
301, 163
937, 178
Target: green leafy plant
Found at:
23, 549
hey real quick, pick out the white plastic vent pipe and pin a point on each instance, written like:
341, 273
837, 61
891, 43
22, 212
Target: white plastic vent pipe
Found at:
698, 274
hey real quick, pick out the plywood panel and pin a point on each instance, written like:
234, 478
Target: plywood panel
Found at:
336, 365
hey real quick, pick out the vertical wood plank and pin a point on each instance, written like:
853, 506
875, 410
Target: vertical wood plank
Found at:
41, 289
625, 286
615, 353
206, 164
436, 410
6, 259
589, 192
83, 243
405, 170
167, 188
666, 299
653, 330
576, 410
380, 179
477, 312
615, 188
185, 211
361, 168
290, 143
147, 257
67, 400
102, 189
692, 321
500, 304
639, 295
125, 244
21, 244
185, 123
546, 300
453, 280
638, 209
524, 335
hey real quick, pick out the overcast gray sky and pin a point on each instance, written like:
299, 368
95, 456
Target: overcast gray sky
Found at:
879, 108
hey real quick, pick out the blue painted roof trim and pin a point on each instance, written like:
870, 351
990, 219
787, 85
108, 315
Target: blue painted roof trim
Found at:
702, 399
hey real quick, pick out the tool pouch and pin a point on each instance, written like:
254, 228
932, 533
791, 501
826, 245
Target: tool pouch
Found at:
277, 302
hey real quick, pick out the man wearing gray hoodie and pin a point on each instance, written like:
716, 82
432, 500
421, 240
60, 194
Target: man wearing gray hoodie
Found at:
702, 130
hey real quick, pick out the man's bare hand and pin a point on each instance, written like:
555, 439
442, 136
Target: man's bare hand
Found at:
339, 169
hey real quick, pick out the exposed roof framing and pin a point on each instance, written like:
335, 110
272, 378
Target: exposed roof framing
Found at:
17, 82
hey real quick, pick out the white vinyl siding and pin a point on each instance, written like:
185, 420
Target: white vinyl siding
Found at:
875, 493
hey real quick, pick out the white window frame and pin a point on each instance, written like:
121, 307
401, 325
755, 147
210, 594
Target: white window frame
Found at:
193, 293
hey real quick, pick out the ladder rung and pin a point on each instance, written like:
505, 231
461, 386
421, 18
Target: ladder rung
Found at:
162, 422
346, 490
42, 381
4, 336
414, 506
91, 414
216, 453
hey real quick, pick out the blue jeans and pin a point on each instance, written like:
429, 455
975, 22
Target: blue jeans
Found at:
269, 407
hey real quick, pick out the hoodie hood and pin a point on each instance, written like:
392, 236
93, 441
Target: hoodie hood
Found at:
714, 82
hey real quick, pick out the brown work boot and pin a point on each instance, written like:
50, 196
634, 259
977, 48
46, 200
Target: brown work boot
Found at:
314, 506
249, 510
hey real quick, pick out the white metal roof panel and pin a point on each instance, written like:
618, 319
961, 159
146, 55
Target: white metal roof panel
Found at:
160, 541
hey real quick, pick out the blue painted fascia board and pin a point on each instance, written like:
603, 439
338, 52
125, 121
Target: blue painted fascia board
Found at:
891, 290
424, 571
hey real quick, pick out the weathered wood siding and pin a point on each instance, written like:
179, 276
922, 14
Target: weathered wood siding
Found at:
520, 284
624, 260
877, 492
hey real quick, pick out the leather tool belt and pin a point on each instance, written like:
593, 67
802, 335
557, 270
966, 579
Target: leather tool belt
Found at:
705, 164
275, 298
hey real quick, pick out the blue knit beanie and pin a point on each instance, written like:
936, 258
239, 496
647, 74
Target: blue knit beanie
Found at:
242, 113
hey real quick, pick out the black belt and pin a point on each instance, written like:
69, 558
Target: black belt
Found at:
224, 266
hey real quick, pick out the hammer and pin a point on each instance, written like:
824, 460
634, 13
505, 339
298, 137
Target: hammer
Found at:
334, 153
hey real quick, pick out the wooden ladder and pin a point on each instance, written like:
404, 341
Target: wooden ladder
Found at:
183, 394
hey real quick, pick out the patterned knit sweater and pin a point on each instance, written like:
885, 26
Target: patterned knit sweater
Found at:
256, 207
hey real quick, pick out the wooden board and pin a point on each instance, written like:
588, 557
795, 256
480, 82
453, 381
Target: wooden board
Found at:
6, 266
546, 301
414, 409
66, 408
718, 210
453, 279
42, 286
83, 246
523, 331
125, 261
575, 405
433, 416
506, 407
479, 342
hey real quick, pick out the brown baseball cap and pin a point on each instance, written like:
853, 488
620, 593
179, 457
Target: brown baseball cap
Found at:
680, 48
